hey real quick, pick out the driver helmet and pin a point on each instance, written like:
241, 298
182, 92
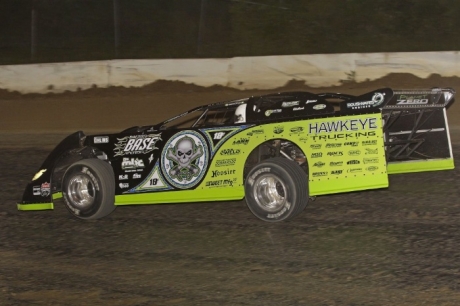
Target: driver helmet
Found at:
240, 114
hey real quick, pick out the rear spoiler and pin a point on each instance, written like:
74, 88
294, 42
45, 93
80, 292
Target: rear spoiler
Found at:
421, 99
416, 132
389, 99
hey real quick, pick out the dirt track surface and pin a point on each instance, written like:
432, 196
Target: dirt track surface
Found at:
397, 246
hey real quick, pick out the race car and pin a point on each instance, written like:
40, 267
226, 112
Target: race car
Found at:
276, 151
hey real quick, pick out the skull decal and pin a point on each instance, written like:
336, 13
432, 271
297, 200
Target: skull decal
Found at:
184, 153
184, 159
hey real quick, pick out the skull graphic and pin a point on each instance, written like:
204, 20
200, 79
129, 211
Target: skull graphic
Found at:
183, 155
184, 149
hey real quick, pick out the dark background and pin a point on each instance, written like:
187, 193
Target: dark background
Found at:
75, 30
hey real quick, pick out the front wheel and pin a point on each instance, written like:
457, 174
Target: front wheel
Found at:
88, 189
276, 189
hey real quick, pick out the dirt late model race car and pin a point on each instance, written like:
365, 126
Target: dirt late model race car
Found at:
276, 151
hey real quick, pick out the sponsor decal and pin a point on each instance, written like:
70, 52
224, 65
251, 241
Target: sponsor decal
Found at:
241, 141
255, 132
36, 190
136, 176
343, 136
351, 143
298, 108
286, 207
412, 99
123, 177
221, 183
315, 146
101, 139
255, 174
310, 101
318, 164
303, 139
153, 181
272, 111
355, 170
236, 102
91, 175
225, 162
371, 151
319, 174
136, 144
336, 172
278, 130
226, 152
319, 106
376, 100
38, 174
45, 189
123, 185
343, 125
336, 164
333, 145
335, 153
372, 168
353, 162
151, 158
296, 130
374, 160
184, 159
369, 142
218, 135
316, 155
354, 152
228, 171
132, 163
290, 104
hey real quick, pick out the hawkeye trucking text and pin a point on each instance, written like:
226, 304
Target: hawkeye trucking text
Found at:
343, 125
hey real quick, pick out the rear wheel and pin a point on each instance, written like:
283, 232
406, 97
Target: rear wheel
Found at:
276, 189
88, 189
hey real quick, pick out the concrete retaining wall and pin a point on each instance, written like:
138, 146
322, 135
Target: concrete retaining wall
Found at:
262, 72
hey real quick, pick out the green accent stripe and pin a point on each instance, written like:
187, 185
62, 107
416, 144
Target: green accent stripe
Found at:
35, 206
57, 195
357, 183
420, 166
185, 196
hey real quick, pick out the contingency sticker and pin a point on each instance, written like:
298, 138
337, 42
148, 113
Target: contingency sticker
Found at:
346, 153
217, 136
153, 182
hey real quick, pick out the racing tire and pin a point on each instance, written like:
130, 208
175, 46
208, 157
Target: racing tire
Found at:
88, 189
276, 189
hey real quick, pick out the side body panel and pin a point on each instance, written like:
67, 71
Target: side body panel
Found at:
344, 153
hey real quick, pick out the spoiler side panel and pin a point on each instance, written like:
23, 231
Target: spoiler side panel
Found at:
416, 131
